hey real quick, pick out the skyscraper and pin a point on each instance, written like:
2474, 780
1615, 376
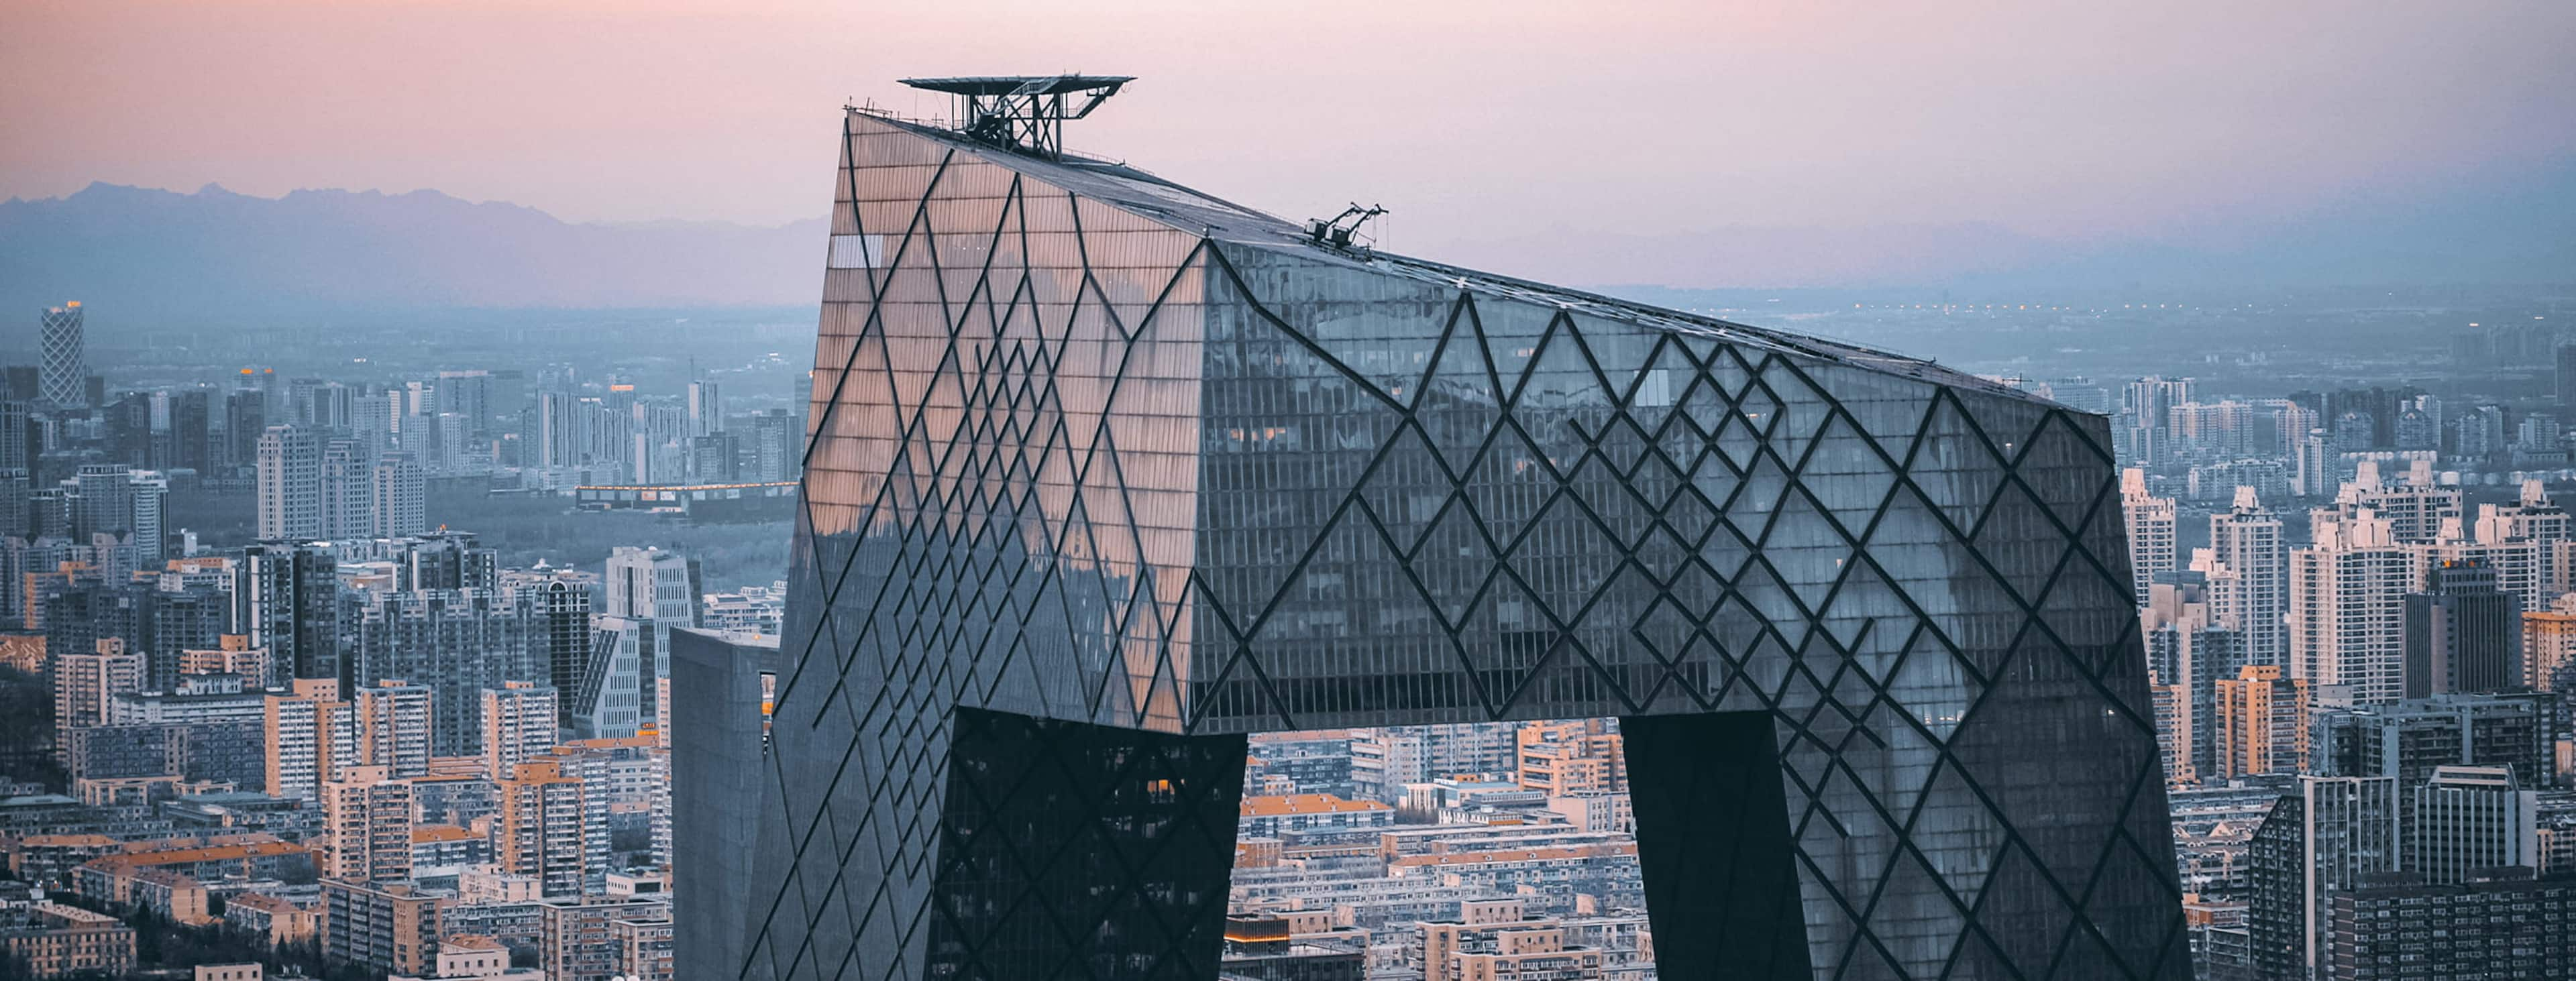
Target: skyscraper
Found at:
398, 494
2462, 634
289, 603
2347, 594
63, 358
2152, 527
290, 484
1174, 471
2247, 539
706, 408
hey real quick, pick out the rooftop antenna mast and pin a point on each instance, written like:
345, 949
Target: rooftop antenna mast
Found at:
1024, 113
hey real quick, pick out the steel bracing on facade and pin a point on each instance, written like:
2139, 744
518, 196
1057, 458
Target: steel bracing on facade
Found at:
1104, 473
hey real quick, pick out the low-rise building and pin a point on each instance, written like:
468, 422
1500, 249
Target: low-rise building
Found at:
53, 940
278, 920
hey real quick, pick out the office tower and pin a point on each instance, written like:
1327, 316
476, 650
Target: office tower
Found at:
1243, 405
2323, 839
394, 727
721, 704
2262, 720
543, 829
777, 445
452, 642
2151, 531
607, 699
2463, 634
312, 735
518, 725
85, 685
62, 356
2347, 603
2247, 539
290, 484
559, 638
367, 814
649, 583
2469, 818
399, 492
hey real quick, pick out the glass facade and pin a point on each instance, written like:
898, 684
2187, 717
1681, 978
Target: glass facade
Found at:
1105, 473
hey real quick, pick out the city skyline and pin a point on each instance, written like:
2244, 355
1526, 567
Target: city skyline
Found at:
1961, 142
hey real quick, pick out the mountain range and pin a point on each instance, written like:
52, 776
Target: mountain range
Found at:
214, 258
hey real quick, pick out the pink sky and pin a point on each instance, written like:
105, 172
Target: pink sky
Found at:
1476, 122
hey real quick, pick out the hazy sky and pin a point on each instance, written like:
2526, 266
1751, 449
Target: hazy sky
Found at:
1476, 122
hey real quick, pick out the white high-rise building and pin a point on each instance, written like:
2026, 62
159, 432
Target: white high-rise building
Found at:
63, 358
398, 491
394, 727
290, 484
2347, 605
2248, 541
706, 408
518, 726
649, 583
2152, 528
2417, 510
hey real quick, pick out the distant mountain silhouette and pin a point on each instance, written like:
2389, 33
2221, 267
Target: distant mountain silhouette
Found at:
216, 257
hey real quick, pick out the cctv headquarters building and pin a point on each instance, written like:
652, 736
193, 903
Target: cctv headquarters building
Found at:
1105, 473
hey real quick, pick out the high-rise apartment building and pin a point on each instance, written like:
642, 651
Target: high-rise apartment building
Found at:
455, 642
2323, 839
2347, 609
290, 484
288, 601
1576, 757
2262, 721
1258, 427
2189, 648
367, 813
560, 640
2247, 540
2549, 650
2152, 529
394, 727
544, 829
63, 356
518, 725
2469, 818
706, 408
399, 496
312, 737
87, 684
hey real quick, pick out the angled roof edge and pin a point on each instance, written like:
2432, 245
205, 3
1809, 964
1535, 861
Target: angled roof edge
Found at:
1191, 210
